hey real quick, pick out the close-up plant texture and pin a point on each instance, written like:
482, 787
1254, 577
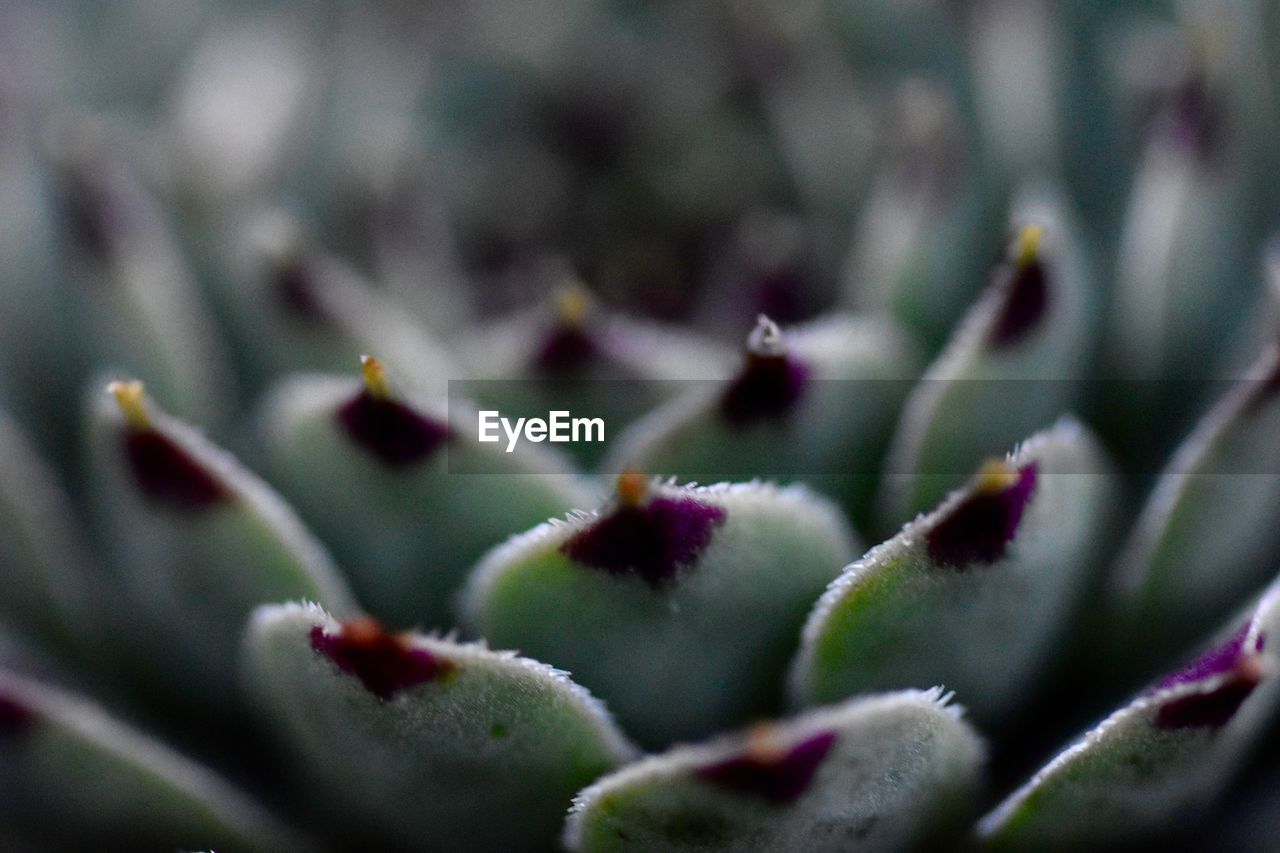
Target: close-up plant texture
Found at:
919, 367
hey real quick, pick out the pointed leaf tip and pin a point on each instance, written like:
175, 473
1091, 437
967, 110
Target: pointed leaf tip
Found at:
165, 472
769, 770
1232, 671
980, 528
390, 430
15, 716
385, 663
772, 380
1027, 293
375, 377
131, 398
568, 344
655, 540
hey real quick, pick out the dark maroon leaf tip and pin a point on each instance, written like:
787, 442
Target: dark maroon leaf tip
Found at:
1237, 660
564, 350
93, 216
1025, 303
568, 345
770, 382
385, 663
168, 474
1194, 118
294, 286
654, 539
777, 775
390, 430
1214, 708
15, 717
980, 528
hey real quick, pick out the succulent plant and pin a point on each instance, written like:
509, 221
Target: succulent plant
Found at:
933, 353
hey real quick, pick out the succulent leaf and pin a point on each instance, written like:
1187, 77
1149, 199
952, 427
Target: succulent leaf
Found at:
196, 541
978, 593
1160, 761
71, 772
407, 498
399, 729
294, 306
696, 592
1204, 542
48, 583
878, 773
136, 306
1031, 325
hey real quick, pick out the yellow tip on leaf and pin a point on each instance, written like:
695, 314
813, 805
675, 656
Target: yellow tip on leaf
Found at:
995, 475
633, 486
131, 398
763, 744
375, 377
1029, 243
572, 302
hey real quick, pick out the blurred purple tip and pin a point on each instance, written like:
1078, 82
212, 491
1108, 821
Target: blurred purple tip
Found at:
654, 541
168, 474
981, 527
767, 387
1024, 306
295, 290
779, 779
390, 430
565, 349
15, 717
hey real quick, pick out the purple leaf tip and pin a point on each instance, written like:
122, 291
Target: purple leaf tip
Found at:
769, 771
652, 537
165, 472
568, 346
387, 428
980, 528
293, 282
770, 382
168, 474
1026, 292
385, 663
15, 717
1235, 664
1194, 119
